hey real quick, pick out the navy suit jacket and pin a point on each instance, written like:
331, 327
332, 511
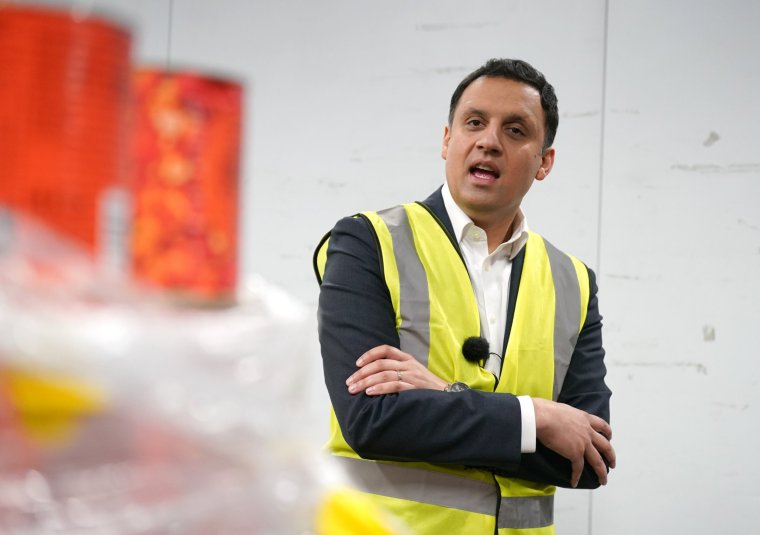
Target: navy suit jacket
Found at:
470, 428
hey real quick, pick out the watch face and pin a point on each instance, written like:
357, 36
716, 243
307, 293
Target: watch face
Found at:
457, 387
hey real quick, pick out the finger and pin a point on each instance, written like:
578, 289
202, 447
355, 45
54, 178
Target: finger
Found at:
364, 372
376, 353
373, 380
611, 457
392, 387
575, 476
600, 426
595, 461
372, 368
604, 446
383, 352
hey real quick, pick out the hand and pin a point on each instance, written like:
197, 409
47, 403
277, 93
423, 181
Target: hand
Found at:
386, 370
576, 435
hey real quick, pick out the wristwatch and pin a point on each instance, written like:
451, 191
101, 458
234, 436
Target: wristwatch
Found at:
456, 387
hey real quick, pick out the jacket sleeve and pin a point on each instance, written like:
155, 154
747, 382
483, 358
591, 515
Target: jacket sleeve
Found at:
355, 314
584, 388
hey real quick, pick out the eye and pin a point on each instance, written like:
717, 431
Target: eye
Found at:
474, 122
515, 130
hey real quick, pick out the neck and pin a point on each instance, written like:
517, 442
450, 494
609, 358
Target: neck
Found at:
498, 230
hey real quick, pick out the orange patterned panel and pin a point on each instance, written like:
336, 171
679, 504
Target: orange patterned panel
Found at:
187, 142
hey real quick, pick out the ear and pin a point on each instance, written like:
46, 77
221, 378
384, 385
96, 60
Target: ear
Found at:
446, 137
547, 162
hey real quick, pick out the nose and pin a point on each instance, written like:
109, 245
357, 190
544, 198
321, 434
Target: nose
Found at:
489, 140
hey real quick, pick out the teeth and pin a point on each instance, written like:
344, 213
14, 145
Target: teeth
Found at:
483, 173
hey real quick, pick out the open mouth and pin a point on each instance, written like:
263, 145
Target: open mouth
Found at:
484, 172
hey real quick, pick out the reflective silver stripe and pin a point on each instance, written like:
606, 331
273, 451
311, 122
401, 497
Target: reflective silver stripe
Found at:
414, 298
526, 512
567, 313
421, 485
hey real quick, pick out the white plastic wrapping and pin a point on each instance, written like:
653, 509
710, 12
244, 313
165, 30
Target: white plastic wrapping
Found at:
171, 419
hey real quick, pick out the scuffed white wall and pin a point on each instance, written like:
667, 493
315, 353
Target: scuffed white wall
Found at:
656, 186
680, 266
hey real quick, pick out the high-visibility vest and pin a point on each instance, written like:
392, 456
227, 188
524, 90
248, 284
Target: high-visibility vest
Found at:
421, 265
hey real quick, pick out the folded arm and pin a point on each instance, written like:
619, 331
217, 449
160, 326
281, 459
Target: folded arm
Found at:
472, 428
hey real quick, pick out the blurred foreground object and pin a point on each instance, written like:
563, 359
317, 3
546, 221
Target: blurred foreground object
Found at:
349, 512
121, 413
64, 109
187, 146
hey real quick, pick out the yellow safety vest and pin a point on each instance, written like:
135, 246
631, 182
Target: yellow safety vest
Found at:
432, 321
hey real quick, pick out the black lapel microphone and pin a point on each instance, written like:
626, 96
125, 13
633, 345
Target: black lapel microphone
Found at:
476, 349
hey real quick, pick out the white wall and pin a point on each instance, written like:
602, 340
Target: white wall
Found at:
657, 187
680, 266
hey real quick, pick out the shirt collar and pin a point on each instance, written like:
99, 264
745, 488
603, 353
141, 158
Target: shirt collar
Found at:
461, 222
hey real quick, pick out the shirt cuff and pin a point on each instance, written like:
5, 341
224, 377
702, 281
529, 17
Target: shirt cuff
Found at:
528, 437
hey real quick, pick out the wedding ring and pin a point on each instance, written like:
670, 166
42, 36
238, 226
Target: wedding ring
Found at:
398, 373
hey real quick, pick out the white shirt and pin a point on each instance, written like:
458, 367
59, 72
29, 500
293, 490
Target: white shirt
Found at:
490, 275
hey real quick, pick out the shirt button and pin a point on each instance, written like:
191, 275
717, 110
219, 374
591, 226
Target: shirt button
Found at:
487, 267
492, 319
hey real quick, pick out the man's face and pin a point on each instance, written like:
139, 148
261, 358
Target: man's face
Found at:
493, 148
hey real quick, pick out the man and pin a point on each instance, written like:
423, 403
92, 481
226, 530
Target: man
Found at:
462, 353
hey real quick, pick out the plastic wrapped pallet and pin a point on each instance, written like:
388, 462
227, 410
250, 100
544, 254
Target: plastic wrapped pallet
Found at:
122, 413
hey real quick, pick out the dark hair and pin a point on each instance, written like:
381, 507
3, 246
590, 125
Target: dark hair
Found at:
519, 71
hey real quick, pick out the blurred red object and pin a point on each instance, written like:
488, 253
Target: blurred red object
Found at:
187, 130
64, 105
